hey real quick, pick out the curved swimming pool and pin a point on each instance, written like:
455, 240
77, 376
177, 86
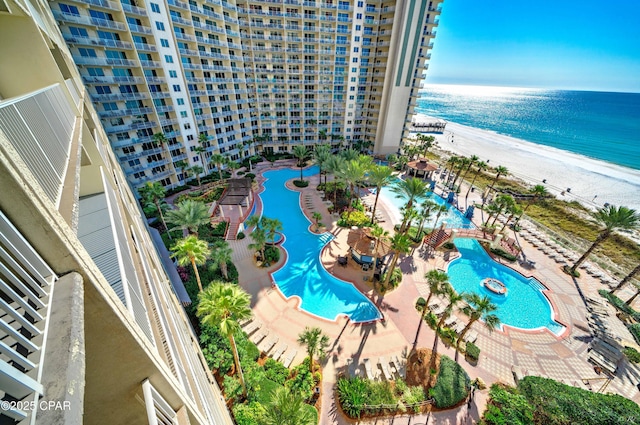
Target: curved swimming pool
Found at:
303, 275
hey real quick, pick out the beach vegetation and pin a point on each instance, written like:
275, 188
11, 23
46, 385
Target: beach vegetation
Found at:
503, 254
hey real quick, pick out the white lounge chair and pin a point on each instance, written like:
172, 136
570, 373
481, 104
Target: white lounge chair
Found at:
279, 351
288, 359
471, 336
385, 368
398, 364
451, 321
252, 327
259, 336
269, 344
368, 370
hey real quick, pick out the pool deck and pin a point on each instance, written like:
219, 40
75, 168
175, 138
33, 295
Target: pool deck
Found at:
535, 353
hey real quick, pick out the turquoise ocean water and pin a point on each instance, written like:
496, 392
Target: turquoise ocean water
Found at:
600, 125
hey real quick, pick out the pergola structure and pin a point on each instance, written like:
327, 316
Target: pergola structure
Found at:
421, 168
364, 248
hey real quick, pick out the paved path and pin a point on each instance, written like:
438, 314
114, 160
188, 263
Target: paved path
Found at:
536, 353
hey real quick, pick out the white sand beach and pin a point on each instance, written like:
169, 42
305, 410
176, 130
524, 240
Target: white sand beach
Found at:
591, 182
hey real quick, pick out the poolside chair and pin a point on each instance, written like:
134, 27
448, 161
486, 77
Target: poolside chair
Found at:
458, 328
289, 358
517, 373
451, 321
385, 368
279, 351
399, 365
252, 327
368, 370
438, 309
471, 336
269, 344
259, 336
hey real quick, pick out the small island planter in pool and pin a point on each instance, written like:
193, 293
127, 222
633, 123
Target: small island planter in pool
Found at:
303, 275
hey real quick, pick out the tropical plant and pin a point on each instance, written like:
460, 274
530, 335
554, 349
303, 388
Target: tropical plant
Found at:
350, 154
379, 176
233, 166
538, 191
334, 164
438, 284
425, 213
439, 210
301, 153
316, 218
480, 166
379, 235
197, 171
259, 237
224, 305
502, 202
400, 244
189, 215
465, 163
221, 256
271, 227
513, 210
218, 161
410, 189
500, 171
612, 218
425, 143
287, 408
320, 157
191, 250
453, 299
316, 343
352, 173
182, 165
161, 139
626, 279
478, 307
154, 193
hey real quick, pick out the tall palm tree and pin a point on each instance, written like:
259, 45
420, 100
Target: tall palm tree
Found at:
465, 164
218, 160
221, 256
453, 299
500, 171
197, 170
538, 191
353, 172
626, 279
513, 210
191, 250
154, 193
161, 139
301, 153
425, 213
233, 166
425, 143
480, 166
334, 166
478, 307
391, 159
379, 235
189, 215
287, 408
182, 165
410, 189
225, 305
473, 160
320, 157
259, 237
316, 216
379, 176
461, 163
271, 226
438, 284
439, 210
316, 343
350, 154
400, 244
504, 203
612, 218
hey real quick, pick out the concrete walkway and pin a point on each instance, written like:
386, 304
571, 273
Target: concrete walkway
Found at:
536, 353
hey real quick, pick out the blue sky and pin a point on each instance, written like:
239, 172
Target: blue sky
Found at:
564, 44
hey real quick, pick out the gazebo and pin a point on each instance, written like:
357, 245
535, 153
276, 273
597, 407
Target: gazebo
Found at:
421, 168
363, 247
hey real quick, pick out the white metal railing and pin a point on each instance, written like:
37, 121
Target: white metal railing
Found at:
25, 284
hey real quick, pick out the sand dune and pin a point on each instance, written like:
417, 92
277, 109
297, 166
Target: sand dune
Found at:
591, 182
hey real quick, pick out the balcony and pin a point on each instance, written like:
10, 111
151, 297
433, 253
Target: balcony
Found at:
146, 47
111, 80
133, 9
179, 4
102, 61
86, 41
140, 29
125, 112
128, 127
87, 20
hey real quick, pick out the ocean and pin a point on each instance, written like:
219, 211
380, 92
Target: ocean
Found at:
599, 125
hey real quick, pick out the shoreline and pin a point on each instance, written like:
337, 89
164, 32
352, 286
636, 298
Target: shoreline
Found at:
591, 182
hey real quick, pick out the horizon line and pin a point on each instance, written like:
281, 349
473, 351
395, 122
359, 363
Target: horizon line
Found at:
527, 88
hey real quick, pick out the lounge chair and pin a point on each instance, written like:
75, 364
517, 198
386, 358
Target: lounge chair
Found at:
269, 344
471, 336
259, 336
288, 359
368, 370
458, 328
279, 351
252, 327
451, 321
438, 309
399, 365
517, 373
385, 368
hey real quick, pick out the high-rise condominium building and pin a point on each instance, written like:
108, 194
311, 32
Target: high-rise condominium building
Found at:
230, 77
90, 329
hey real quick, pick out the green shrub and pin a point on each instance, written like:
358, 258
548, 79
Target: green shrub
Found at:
302, 382
232, 387
635, 331
276, 371
504, 254
620, 305
271, 255
431, 320
449, 245
354, 218
632, 354
251, 176
240, 235
248, 414
396, 277
301, 183
217, 350
555, 403
452, 385
240, 173
262, 392
448, 335
176, 189
352, 394
421, 304
312, 411
507, 407
472, 351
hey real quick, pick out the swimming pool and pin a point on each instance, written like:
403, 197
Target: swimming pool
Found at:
523, 306
452, 217
303, 275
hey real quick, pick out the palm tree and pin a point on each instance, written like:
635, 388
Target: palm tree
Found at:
425, 213
478, 307
379, 235
197, 170
316, 343
224, 305
161, 139
392, 159
271, 226
154, 193
191, 250
612, 218
334, 165
350, 154
465, 164
233, 166
301, 153
453, 299
408, 215
316, 218
425, 143
182, 165
500, 171
538, 191
189, 215
400, 244
513, 210
626, 279
480, 166
287, 408
320, 156
410, 189
630, 300
259, 237
439, 210
379, 176
218, 160
473, 160
438, 284
353, 172
221, 256
504, 203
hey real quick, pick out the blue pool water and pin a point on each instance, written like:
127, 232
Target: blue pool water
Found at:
303, 275
524, 306
452, 217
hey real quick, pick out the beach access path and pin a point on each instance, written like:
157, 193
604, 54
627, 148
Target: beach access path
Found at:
536, 353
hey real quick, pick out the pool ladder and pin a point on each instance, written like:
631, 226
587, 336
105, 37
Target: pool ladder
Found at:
537, 285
